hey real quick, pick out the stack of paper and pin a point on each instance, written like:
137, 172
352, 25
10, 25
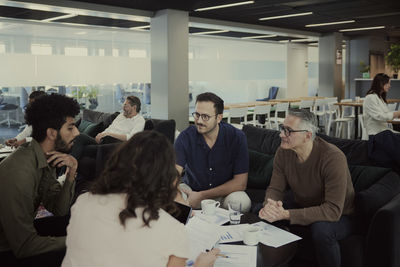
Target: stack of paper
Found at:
220, 217
232, 233
274, 236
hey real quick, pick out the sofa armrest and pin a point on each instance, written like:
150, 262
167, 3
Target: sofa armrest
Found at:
383, 238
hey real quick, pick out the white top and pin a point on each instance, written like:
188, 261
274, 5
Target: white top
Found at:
127, 126
376, 114
25, 134
95, 236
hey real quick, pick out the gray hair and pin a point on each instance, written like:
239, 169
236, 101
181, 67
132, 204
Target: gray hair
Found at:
308, 120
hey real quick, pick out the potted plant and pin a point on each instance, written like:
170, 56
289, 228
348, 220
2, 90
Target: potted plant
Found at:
393, 59
364, 69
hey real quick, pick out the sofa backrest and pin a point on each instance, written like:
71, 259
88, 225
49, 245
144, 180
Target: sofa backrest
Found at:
97, 116
166, 127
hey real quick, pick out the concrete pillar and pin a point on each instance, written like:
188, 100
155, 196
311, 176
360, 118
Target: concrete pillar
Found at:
330, 65
170, 67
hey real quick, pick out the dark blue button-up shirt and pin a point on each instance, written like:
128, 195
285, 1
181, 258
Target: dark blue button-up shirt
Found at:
207, 168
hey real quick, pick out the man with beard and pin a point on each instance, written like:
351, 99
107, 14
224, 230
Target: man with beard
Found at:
319, 178
123, 127
28, 179
214, 156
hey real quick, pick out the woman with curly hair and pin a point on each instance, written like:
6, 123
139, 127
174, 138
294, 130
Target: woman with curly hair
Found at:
125, 218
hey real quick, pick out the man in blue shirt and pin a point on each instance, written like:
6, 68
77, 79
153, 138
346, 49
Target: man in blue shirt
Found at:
214, 156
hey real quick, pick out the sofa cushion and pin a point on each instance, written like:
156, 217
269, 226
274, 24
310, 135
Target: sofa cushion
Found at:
262, 140
260, 170
365, 176
90, 128
368, 201
96, 116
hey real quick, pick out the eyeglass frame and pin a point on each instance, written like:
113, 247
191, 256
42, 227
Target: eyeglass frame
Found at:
288, 131
204, 117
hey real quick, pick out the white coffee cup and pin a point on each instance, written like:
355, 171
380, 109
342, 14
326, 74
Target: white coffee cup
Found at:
251, 236
209, 206
357, 99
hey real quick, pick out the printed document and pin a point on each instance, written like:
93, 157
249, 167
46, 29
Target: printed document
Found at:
238, 256
273, 236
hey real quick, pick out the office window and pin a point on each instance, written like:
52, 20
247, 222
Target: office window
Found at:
2, 48
101, 52
76, 51
138, 53
41, 49
115, 52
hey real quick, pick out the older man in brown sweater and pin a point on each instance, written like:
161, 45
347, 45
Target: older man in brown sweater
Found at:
319, 178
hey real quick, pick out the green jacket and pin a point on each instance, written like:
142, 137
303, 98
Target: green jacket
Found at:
26, 180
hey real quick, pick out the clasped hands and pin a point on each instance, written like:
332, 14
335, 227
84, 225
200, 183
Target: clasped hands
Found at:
273, 211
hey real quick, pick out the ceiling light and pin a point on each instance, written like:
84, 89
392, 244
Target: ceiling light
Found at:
260, 36
224, 6
284, 41
362, 29
140, 27
287, 16
210, 32
59, 17
302, 40
81, 33
330, 23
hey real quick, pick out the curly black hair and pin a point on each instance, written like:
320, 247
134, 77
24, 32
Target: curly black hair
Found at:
49, 111
144, 169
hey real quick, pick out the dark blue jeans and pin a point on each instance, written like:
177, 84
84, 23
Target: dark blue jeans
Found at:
324, 236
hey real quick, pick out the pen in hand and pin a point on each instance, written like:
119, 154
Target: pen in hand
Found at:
219, 254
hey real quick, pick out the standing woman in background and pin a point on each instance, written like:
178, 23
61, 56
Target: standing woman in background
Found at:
375, 108
125, 218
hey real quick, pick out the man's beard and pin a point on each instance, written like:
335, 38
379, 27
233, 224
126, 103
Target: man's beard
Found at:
61, 145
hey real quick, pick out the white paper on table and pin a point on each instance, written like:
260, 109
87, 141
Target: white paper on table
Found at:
232, 233
220, 217
239, 256
273, 236
6, 149
396, 119
202, 236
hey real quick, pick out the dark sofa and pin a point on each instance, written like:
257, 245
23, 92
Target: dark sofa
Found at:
377, 199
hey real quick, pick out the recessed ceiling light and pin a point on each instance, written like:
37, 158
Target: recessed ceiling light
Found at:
224, 6
302, 40
140, 27
330, 23
210, 32
260, 36
362, 29
287, 16
59, 17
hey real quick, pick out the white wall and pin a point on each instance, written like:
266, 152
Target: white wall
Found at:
313, 70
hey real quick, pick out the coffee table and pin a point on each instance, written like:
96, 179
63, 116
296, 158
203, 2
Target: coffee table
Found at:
269, 256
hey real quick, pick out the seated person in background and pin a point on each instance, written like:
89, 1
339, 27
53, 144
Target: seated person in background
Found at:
319, 178
128, 211
375, 108
28, 179
214, 156
123, 127
24, 136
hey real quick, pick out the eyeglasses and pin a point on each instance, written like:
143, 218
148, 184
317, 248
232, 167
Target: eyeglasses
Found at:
204, 117
288, 130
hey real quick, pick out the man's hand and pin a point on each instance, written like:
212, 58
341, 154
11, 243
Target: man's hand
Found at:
273, 211
58, 159
194, 197
11, 142
100, 136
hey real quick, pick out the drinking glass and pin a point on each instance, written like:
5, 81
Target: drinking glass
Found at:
234, 212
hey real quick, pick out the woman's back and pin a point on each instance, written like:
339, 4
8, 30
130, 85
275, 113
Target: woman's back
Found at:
96, 237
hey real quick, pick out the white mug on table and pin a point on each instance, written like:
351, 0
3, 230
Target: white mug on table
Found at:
209, 206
